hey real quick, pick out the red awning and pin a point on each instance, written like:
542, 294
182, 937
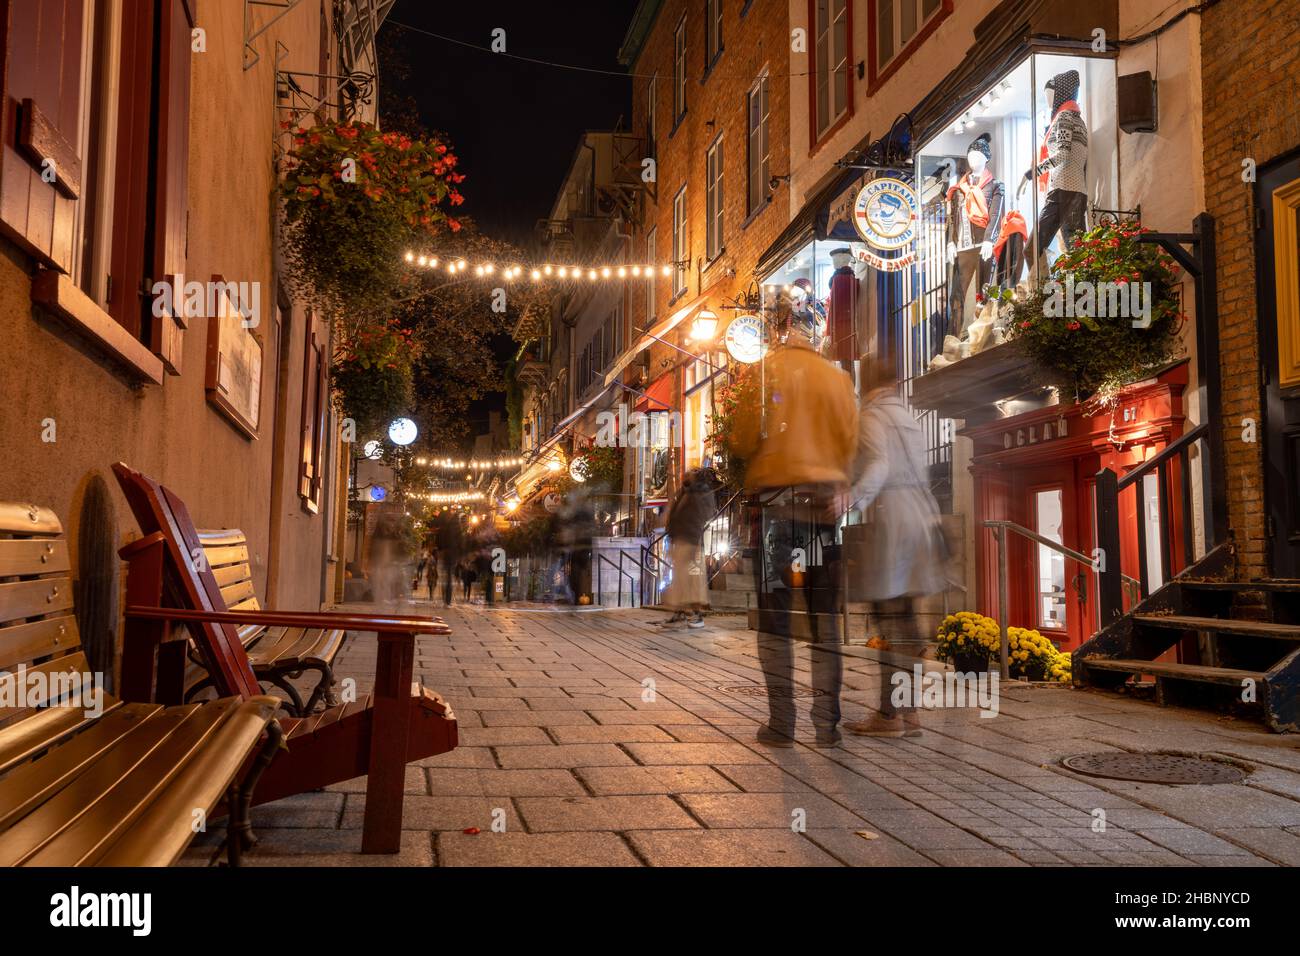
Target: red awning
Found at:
658, 397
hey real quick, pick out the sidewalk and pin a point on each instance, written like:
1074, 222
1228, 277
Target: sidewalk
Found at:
562, 744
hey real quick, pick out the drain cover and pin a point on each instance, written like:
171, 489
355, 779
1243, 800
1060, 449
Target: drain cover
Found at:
760, 690
1154, 768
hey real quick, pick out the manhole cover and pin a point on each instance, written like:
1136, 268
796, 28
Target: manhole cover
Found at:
760, 690
1154, 768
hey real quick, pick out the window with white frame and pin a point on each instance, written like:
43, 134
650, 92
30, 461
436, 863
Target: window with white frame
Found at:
831, 62
681, 253
651, 115
897, 22
712, 31
679, 71
759, 145
651, 239
714, 239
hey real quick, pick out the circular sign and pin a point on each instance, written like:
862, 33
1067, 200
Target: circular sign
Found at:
552, 502
402, 431
885, 214
746, 338
578, 468
373, 450
378, 493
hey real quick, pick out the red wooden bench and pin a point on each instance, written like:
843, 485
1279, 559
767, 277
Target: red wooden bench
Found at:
112, 783
400, 722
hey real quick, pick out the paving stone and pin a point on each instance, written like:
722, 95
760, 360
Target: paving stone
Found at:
534, 849
551, 814
461, 757
563, 755
757, 810
533, 718
762, 778
505, 736
1188, 841
517, 783
305, 810
441, 812
659, 779
415, 783
729, 848
663, 717
678, 754
333, 848
854, 850
1282, 846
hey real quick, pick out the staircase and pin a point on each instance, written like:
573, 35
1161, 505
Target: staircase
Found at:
1245, 635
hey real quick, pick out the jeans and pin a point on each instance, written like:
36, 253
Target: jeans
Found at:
1063, 212
896, 620
776, 650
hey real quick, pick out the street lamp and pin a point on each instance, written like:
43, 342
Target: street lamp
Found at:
705, 326
402, 431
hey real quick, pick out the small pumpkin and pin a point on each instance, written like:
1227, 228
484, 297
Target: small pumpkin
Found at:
585, 599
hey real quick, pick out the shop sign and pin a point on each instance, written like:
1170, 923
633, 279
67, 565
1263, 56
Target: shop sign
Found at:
746, 339
552, 502
885, 214
1036, 434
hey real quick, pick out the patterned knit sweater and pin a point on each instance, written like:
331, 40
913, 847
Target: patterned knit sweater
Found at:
1067, 153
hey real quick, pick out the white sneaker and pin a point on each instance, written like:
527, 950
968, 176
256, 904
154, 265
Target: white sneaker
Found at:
695, 622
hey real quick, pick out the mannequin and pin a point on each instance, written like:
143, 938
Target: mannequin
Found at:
840, 320
1062, 169
807, 312
975, 207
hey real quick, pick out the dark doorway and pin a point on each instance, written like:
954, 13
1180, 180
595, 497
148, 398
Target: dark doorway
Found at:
1277, 258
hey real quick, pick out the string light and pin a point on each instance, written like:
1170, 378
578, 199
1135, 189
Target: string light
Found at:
542, 271
472, 464
454, 498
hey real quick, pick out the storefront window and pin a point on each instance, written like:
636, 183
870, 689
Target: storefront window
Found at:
1051, 563
1154, 532
1021, 170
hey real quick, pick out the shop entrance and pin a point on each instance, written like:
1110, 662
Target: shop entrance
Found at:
1278, 267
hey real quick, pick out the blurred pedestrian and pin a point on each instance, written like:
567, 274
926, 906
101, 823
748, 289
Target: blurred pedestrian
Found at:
800, 443
467, 575
687, 595
901, 555
449, 541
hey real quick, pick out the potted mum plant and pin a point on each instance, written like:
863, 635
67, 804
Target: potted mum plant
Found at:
969, 640
355, 202
1109, 315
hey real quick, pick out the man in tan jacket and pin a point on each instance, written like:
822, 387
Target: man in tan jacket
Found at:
799, 444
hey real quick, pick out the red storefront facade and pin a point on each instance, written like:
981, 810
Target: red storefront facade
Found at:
1038, 469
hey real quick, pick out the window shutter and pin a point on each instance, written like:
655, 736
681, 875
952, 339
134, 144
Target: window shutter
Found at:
171, 207
40, 169
315, 408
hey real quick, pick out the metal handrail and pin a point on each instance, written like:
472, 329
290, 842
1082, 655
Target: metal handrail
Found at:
1168, 453
1000, 528
622, 574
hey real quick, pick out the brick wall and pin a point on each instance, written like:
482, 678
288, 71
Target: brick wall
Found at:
1250, 53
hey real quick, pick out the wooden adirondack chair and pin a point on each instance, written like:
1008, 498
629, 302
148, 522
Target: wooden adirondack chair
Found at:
400, 722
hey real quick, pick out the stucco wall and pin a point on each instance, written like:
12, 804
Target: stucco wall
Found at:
170, 431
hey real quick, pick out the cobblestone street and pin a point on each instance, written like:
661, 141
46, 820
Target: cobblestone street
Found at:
559, 745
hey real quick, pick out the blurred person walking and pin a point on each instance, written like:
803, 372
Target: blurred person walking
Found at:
450, 542
687, 595
803, 438
902, 554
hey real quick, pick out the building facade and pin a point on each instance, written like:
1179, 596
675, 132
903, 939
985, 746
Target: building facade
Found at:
101, 199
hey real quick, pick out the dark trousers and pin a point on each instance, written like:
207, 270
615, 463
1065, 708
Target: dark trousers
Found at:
968, 268
895, 620
448, 572
1063, 212
776, 649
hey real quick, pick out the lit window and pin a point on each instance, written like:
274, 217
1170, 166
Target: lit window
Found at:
713, 201
679, 71
759, 145
831, 55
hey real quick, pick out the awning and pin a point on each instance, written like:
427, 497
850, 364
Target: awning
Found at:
658, 331
532, 474
658, 396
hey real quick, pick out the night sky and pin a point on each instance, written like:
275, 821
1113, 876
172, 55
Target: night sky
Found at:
514, 124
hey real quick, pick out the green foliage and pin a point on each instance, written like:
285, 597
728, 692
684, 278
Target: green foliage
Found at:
532, 537
739, 394
1097, 355
602, 467
355, 201
371, 376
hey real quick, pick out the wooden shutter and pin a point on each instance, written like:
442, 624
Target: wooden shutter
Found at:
42, 46
315, 408
170, 200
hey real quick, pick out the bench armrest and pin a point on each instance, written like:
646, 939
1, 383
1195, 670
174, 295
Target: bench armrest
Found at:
394, 624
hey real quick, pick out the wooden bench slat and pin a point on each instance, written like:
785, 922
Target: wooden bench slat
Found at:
20, 643
232, 573
34, 598
21, 518
29, 834
237, 594
162, 832
22, 556
226, 554
68, 664
218, 536
28, 786
24, 738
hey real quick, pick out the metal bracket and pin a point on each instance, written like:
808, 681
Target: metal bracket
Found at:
251, 33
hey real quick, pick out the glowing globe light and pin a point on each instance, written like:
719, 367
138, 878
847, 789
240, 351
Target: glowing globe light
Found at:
402, 431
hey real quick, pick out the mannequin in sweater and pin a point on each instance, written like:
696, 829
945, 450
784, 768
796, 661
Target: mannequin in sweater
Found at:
976, 204
1062, 170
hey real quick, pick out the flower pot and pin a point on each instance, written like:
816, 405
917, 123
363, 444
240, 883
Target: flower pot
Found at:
964, 662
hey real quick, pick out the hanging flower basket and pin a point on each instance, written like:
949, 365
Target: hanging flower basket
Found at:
1109, 315
355, 202
739, 395
371, 376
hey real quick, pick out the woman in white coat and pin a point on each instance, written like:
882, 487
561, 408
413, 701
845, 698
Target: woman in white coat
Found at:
901, 555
